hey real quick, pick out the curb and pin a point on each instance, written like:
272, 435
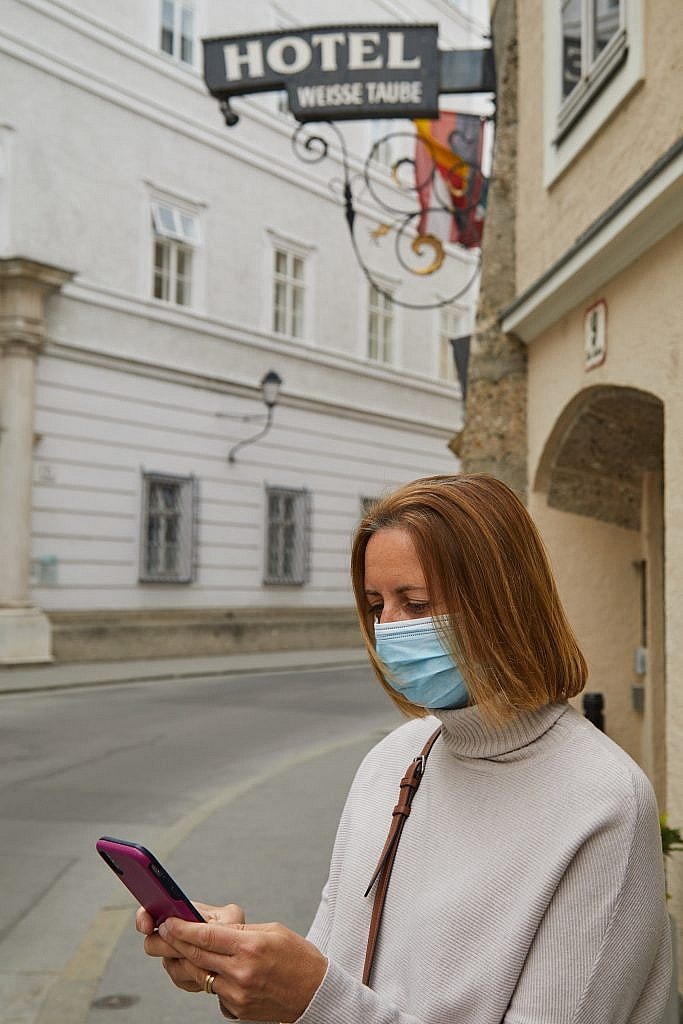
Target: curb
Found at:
77, 675
73, 990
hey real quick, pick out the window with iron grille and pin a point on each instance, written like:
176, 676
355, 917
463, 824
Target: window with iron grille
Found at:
288, 293
287, 535
594, 44
169, 514
380, 326
178, 30
175, 238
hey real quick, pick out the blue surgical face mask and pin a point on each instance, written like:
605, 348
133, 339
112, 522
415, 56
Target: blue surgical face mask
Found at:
419, 666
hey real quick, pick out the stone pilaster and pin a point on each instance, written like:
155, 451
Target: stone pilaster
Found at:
24, 288
494, 438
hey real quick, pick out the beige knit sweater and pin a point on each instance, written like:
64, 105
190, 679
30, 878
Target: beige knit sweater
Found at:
528, 885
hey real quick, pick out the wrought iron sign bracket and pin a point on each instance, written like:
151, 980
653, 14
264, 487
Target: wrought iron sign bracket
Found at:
353, 72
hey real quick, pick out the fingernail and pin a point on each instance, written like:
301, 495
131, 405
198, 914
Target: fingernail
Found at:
163, 930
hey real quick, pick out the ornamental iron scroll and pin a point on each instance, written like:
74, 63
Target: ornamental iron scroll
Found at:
375, 71
418, 191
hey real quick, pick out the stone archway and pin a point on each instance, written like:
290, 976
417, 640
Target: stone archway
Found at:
603, 461
595, 458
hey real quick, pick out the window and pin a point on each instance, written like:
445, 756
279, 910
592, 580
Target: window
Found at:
282, 102
169, 508
178, 30
380, 325
593, 46
287, 535
176, 236
288, 293
381, 144
593, 59
449, 328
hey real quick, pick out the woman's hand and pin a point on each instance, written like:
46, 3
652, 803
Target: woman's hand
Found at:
183, 975
262, 971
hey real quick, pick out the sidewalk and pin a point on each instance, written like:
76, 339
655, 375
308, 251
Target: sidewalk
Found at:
29, 678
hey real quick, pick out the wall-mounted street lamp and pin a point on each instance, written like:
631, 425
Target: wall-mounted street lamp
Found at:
270, 392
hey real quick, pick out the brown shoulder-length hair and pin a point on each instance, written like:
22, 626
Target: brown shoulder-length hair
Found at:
485, 565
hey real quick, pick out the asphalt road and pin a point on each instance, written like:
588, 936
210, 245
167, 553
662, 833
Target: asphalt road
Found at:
236, 784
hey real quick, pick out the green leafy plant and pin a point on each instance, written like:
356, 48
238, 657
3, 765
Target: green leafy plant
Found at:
672, 841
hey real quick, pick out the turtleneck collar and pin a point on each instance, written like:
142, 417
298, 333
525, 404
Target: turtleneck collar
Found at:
466, 733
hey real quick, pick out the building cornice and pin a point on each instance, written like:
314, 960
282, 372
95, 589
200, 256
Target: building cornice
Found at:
291, 398
646, 212
186, 319
33, 272
127, 99
25, 285
218, 138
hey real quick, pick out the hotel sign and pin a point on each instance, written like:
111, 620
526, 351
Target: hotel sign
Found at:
333, 73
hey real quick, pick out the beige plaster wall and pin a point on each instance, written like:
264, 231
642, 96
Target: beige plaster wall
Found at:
593, 565
593, 560
644, 339
673, 555
644, 126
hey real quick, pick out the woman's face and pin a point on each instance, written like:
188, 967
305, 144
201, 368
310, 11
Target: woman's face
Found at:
395, 586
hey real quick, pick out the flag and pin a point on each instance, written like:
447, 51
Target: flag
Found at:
451, 187
461, 355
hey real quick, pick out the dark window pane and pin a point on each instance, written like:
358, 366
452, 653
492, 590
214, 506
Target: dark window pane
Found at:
171, 560
167, 24
273, 550
172, 531
571, 45
170, 496
606, 24
186, 50
152, 561
167, 40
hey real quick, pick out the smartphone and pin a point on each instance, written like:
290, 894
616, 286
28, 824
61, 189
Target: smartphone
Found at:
149, 882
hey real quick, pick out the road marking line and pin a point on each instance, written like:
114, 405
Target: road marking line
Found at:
70, 996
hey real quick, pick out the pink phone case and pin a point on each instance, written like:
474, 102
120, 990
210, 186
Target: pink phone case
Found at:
147, 880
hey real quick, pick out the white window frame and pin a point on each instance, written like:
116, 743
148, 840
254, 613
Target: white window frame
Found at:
569, 124
282, 104
297, 572
594, 71
385, 311
294, 247
384, 156
289, 317
176, 232
180, 8
444, 332
188, 506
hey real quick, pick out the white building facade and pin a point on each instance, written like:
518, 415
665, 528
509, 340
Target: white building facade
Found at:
154, 266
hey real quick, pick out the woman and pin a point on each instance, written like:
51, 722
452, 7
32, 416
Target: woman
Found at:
528, 882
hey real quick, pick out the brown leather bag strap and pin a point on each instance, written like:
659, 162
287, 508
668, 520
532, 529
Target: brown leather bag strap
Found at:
409, 785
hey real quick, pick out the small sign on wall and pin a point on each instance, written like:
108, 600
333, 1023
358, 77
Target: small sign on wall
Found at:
44, 571
595, 334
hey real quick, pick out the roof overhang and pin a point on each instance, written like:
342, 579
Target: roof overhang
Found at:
650, 209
